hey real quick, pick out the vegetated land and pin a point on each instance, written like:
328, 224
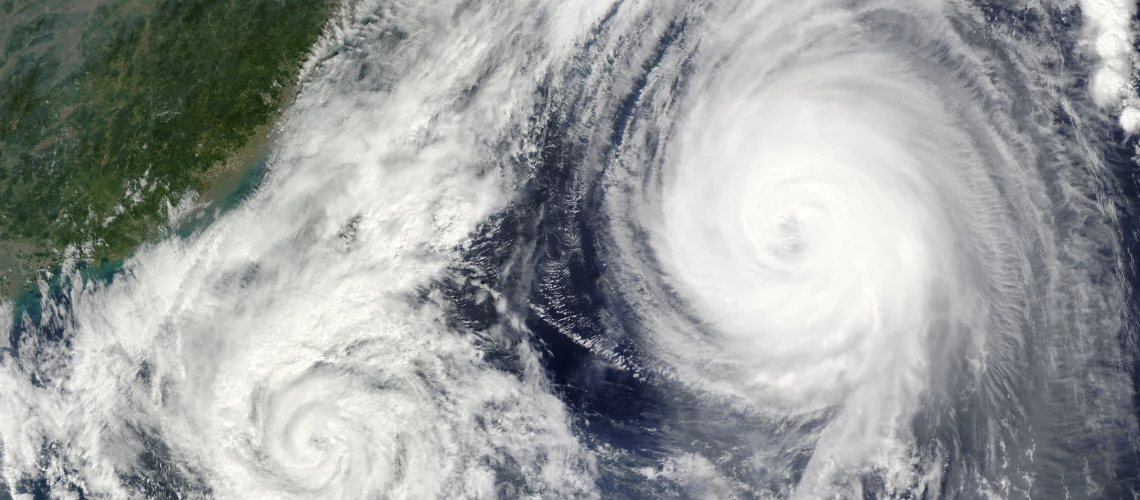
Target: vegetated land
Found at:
111, 109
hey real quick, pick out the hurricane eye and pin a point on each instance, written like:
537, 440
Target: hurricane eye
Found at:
792, 237
483, 249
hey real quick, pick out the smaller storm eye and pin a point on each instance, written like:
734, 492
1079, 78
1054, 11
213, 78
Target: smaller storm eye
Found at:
792, 233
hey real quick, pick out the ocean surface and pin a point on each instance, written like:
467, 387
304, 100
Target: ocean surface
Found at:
667, 249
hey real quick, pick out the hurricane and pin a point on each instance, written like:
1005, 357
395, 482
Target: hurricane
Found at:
591, 249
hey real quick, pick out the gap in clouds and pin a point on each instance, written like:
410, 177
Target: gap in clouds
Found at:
451, 234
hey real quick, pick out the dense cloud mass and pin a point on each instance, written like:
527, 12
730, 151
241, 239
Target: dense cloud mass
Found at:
735, 249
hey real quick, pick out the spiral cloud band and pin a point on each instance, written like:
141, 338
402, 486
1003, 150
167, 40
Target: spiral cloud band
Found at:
827, 249
858, 233
672, 249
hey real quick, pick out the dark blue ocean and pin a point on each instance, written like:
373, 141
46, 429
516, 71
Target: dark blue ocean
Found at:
620, 250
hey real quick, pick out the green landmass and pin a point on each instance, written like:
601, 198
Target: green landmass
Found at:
111, 110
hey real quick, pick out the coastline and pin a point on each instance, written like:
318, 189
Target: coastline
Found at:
106, 182
25, 263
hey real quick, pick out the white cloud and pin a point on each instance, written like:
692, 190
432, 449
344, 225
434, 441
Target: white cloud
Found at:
1108, 25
